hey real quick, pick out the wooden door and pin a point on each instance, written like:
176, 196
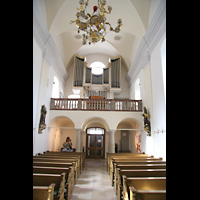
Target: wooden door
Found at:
95, 146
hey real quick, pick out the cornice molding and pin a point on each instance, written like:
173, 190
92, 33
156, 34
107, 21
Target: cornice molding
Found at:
154, 33
45, 41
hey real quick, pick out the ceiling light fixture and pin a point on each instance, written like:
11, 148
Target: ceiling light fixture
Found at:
94, 25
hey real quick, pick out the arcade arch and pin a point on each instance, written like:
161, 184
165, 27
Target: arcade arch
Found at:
127, 135
95, 122
59, 129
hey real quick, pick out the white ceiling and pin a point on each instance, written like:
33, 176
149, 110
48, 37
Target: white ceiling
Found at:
135, 14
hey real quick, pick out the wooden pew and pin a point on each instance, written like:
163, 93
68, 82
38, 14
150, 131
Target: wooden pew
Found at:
142, 183
62, 153
136, 173
147, 194
133, 161
132, 167
69, 181
59, 155
114, 155
130, 158
47, 179
43, 192
61, 160
56, 164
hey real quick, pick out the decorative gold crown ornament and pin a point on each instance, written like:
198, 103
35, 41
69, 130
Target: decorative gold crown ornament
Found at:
94, 25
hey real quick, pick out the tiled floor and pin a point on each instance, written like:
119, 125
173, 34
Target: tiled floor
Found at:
94, 183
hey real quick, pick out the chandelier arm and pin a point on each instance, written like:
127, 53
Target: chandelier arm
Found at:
86, 3
107, 11
88, 14
71, 22
111, 28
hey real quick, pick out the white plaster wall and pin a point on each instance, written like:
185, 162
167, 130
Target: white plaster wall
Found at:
37, 64
42, 91
112, 118
153, 98
159, 105
39, 141
80, 118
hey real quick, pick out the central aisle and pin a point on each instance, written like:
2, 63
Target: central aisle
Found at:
94, 183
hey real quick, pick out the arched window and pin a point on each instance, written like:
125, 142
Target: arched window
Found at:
97, 68
95, 131
55, 90
137, 89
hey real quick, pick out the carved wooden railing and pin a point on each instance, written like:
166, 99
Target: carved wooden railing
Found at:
96, 104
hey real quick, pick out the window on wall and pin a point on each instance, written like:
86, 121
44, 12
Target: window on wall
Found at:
74, 96
137, 89
95, 131
55, 90
97, 68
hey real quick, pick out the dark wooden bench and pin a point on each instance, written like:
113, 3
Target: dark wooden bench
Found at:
120, 155
62, 153
62, 160
147, 194
76, 158
142, 183
69, 180
129, 159
47, 179
57, 164
140, 167
136, 173
132, 162
43, 192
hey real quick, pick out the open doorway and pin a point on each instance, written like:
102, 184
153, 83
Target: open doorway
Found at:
125, 136
95, 143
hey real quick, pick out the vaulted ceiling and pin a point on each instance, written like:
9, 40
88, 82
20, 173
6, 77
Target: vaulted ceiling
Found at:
135, 14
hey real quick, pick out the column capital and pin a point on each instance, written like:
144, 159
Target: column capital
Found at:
79, 130
112, 131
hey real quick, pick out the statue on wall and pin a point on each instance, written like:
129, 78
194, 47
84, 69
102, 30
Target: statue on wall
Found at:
42, 124
147, 125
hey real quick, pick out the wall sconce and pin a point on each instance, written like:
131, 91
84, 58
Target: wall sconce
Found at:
156, 130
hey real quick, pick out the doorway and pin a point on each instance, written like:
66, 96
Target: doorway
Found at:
95, 143
124, 141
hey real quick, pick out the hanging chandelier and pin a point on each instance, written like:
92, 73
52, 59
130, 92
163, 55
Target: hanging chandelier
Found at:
94, 25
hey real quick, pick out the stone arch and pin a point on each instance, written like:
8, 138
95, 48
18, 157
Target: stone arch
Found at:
59, 128
95, 121
130, 127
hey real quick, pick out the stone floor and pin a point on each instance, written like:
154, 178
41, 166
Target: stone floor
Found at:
94, 182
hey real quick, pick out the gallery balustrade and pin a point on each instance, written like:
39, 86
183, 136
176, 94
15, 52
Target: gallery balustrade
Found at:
96, 104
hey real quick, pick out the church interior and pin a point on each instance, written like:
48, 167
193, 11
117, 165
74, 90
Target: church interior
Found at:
99, 78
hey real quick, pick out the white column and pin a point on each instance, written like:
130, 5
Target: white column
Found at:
82, 135
78, 140
112, 142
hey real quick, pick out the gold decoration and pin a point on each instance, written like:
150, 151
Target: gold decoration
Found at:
147, 125
42, 124
94, 25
